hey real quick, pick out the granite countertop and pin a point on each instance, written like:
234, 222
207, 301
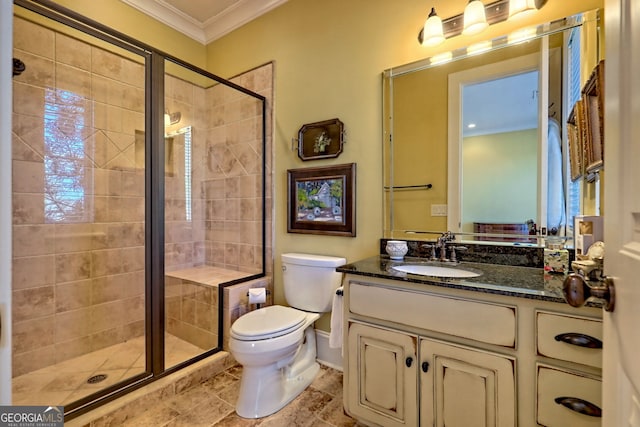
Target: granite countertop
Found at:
521, 282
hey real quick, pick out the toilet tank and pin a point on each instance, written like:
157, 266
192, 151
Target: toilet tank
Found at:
310, 281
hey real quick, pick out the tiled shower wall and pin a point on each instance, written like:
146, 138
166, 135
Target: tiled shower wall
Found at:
78, 268
226, 225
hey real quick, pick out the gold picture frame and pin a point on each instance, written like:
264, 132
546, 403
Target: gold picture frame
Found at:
576, 146
593, 96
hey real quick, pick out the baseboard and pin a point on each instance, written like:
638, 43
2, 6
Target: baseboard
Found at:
331, 357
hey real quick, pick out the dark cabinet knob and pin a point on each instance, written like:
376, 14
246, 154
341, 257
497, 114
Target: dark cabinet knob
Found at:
425, 366
408, 361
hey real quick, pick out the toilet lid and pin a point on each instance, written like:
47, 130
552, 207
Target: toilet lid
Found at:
268, 322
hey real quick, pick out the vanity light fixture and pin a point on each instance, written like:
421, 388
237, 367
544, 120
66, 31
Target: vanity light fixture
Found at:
471, 22
432, 32
475, 19
519, 8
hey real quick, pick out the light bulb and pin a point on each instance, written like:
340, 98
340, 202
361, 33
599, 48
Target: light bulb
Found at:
475, 19
432, 33
521, 7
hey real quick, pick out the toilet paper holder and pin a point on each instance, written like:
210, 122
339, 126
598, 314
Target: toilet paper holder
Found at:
267, 293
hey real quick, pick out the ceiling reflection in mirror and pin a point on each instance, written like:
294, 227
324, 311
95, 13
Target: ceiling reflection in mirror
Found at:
492, 169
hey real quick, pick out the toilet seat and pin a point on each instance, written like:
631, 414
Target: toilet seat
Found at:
268, 322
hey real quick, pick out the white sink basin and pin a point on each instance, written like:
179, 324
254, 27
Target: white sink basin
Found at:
435, 270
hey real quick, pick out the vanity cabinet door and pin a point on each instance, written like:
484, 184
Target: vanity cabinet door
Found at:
382, 376
465, 387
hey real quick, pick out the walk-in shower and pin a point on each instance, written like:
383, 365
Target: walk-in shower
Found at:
139, 186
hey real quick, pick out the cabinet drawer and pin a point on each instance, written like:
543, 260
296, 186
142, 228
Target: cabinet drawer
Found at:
571, 338
560, 390
480, 321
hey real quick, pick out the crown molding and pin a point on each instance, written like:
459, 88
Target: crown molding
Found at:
236, 16
242, 12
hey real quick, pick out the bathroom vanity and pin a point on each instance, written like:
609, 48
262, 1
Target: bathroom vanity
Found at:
501, 349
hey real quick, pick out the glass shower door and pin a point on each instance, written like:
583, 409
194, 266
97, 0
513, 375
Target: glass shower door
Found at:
78, 214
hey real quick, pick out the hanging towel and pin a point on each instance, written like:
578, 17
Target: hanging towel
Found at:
335, 337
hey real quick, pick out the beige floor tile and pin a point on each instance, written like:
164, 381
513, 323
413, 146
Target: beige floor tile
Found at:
154, 417
329, 380
206, 413
189, 399
220, 382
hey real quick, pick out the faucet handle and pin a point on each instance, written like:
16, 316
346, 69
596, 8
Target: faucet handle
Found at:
453, 252
433, 250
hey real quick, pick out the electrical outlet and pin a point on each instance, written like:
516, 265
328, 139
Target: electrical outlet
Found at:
438, 210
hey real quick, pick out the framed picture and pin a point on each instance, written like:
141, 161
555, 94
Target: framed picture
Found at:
320, 140
593, 96
322, 200
576, 154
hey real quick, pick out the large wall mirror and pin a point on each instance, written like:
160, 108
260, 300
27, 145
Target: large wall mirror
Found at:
478, 145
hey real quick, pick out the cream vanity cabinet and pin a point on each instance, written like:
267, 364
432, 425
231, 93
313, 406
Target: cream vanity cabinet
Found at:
420, 355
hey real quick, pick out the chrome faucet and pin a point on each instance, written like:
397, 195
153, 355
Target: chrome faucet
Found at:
441, 247
442, 244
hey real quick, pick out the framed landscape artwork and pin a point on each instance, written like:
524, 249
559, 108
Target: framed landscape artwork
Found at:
322, 200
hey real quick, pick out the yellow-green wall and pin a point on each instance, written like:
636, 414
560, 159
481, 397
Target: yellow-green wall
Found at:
328, 57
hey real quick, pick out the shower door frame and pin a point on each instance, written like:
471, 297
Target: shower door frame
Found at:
154, 61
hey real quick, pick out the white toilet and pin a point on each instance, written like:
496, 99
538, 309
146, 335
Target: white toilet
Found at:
276, 345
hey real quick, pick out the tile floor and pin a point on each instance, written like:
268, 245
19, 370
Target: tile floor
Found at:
65, 382
211, 403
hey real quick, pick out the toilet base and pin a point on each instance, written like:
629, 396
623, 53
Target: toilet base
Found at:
273, 394
266, 389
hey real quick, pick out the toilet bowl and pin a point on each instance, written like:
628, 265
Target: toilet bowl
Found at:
276, 345
277, 367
